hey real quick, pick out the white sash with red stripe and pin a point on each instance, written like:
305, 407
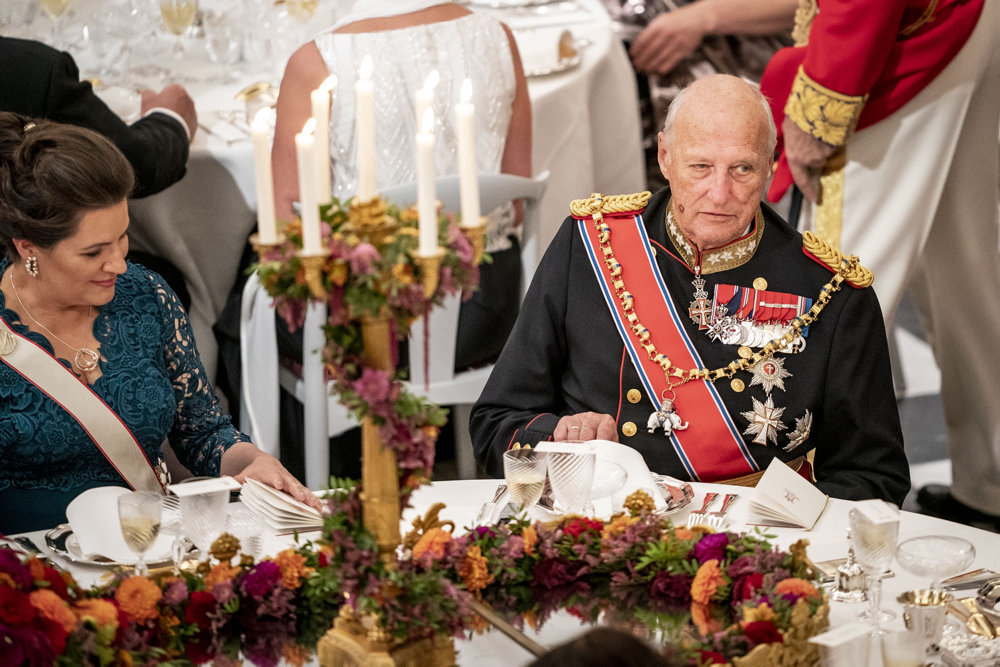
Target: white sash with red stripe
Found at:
711, 448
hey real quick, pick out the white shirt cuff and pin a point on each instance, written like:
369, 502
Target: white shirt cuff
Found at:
173, 114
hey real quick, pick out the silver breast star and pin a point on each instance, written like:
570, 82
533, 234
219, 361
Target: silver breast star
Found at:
770, 373
765, 421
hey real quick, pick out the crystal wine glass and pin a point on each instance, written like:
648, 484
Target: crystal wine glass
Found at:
524, 472
203, 516
572, 476
55, 10
178, 16
935, 556
874, 545
139, 517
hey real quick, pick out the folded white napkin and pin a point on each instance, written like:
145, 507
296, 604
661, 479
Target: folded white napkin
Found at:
631, 460
544, 49
93, 516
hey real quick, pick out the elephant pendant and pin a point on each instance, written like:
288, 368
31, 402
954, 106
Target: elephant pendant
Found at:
666, 419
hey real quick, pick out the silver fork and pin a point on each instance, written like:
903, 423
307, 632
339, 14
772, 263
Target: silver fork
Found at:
717, 519
698, 516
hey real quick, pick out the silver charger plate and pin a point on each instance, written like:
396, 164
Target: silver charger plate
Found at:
62, 541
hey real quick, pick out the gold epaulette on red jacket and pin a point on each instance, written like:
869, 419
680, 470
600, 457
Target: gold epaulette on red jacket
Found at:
611, 204
824, 253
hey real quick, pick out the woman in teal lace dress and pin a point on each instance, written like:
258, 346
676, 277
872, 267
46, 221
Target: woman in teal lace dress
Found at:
65, 286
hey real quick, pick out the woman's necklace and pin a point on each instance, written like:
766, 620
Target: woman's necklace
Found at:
85, 359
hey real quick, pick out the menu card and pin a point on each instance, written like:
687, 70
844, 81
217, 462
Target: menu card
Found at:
784, 498
279, 510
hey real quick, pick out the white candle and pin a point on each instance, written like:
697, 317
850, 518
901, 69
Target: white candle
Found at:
260, 130
426, 189
320, 99
468, 178
364, 92
305, 146
425, 96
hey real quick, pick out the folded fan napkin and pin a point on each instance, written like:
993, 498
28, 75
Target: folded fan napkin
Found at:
93, 516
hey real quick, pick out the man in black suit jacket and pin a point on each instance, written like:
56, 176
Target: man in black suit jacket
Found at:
39, 81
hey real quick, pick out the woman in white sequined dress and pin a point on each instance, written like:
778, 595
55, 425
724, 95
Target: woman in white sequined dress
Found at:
408, 39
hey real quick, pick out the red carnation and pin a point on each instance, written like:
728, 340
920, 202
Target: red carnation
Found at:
747, 586
15, 608
762, 632
711, 658
580, 525
200, 605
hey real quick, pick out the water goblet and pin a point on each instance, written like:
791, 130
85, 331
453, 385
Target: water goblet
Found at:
203, 516
935, 556
874, 534
55, 10
572, 476
524, 472
139, 518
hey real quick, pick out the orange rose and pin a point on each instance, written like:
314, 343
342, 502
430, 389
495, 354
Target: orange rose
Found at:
100, 611
706, 581
293, 568
796, 586
433, 542
137, 597
53, 607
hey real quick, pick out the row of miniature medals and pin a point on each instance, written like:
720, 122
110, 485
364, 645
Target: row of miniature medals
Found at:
764, 419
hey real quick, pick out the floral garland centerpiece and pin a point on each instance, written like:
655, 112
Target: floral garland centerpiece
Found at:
362, 278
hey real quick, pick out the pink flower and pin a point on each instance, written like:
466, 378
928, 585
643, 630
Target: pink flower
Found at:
363, 258
373, 386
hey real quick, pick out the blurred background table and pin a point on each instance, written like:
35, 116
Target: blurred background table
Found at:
586, 128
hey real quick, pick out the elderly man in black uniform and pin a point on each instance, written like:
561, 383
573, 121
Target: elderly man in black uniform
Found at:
698, 328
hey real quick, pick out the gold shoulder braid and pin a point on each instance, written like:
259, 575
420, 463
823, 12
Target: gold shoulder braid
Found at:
598, 203
860, 276
848, 266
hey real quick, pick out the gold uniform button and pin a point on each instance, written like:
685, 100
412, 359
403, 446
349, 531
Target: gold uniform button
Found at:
517, 445
634, 395
744, 352
628, 428
653, 248
759, 283
737, 385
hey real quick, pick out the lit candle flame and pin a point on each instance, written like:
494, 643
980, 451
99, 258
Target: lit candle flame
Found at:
466, 94
309, 127
264, 118
367, 67
329, 83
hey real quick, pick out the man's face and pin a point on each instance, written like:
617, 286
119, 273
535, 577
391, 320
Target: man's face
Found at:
717, 164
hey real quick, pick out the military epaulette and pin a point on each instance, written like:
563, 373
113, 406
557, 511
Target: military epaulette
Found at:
598, 203
827, 255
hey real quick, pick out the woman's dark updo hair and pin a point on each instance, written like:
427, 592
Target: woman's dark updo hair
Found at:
51, 175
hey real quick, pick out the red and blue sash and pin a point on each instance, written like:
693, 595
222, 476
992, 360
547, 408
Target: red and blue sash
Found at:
711, 448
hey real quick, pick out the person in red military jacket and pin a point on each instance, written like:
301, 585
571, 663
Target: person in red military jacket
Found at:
889, 121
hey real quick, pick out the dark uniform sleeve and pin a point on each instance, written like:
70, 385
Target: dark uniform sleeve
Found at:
859, 448
157, 146
522, 401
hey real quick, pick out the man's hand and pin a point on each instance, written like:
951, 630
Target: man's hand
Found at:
175, 98
806, 156
586, 426
667, 40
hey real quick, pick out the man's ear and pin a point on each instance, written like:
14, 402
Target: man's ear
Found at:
662, 155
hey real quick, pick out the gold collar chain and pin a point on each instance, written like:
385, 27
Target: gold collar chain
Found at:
677, 376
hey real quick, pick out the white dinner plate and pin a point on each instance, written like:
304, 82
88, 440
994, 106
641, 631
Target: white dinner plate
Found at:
63, 542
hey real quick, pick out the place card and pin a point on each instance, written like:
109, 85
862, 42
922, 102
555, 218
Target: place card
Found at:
784, 498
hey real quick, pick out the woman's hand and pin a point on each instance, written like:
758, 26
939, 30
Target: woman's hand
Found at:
251, 463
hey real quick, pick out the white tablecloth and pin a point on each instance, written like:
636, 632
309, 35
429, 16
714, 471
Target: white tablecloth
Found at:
463, 500
585, 132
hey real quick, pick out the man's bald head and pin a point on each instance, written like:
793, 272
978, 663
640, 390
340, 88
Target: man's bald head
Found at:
721, 92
